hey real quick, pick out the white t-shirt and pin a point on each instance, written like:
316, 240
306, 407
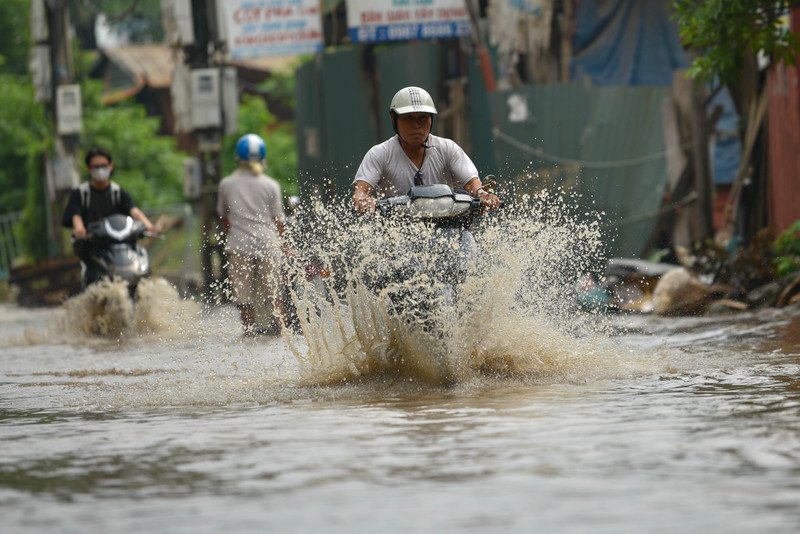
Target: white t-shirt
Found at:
251, 203
389, 170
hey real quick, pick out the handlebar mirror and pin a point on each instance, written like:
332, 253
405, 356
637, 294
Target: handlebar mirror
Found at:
292, 203
489, 182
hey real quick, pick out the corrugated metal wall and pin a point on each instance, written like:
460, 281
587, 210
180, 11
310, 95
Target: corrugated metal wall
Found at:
605, 144
311, 132
481, 140
784, 140
415, 63
347, 113
333, 122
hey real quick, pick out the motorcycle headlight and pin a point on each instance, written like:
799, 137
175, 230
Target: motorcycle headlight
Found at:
461, 207
433, 207
143, 264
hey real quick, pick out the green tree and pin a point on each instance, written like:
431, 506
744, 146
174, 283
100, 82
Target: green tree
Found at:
22, 126
22, 187
727, 36
14, 36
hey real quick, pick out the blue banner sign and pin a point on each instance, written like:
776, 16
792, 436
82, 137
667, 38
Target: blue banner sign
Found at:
372, 21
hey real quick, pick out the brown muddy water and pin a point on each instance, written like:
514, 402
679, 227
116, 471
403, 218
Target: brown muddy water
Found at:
181, 425
163, 419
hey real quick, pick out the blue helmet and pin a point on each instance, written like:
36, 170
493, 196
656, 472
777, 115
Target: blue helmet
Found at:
250, 147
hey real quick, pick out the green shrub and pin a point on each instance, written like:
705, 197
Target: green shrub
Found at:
787, 249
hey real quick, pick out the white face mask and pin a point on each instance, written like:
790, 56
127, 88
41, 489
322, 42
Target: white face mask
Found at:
100, 174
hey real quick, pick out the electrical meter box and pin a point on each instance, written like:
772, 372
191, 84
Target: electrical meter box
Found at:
206, 99
68, 110
176, 17
192, 179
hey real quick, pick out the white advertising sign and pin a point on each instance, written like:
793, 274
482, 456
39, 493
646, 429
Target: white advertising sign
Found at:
400, 20
259, 28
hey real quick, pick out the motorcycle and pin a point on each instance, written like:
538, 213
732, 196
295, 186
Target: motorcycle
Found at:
421, 271
115, 252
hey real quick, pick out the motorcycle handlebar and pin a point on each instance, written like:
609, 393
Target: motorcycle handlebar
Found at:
385, 205
136, 235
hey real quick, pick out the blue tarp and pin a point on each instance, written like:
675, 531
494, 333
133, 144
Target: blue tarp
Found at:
626, 42
728, 146
635, 42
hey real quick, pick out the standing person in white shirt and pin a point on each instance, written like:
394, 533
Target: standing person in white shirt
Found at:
415, 157
250, 206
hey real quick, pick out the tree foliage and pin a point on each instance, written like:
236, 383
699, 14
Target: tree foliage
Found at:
27, 137
22, 126
14, 36
726, 32
787, 250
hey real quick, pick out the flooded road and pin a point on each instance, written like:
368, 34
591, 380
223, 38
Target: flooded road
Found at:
673, 425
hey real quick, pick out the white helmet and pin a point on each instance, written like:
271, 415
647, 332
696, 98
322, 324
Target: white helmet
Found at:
412, 100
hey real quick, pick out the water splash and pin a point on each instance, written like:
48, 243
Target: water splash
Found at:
106, 310
514, 315
513, 319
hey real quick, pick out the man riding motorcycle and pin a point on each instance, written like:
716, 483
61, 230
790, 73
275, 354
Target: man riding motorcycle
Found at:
415, 157
97, 199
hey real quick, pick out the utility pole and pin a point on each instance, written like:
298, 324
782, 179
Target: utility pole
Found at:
53, 75
566, 24
484, 59
197, 57
194, 29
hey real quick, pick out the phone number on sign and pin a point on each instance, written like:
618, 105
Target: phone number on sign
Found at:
399, 32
